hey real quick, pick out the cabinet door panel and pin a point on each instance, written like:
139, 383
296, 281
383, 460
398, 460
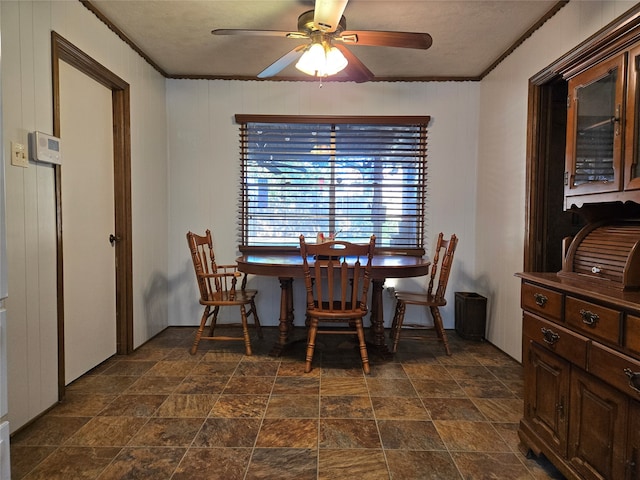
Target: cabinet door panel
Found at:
597, 428
633, 443
546, 395
594, 137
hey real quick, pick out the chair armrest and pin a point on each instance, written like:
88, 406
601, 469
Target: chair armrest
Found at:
221, 278
234, 267
235, 275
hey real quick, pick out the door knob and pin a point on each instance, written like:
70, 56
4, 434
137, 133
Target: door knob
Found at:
113, 239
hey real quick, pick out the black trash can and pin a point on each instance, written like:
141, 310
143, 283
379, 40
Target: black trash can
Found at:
471, 315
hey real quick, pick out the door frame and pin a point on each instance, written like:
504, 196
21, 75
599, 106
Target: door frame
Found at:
63, 50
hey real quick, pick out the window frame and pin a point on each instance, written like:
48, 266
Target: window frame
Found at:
243, 119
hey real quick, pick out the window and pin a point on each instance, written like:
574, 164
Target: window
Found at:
355, 176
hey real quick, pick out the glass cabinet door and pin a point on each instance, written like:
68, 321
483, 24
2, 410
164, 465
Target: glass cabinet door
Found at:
594, 129
632, 129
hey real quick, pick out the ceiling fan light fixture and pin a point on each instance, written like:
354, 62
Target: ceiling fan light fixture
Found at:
321, 60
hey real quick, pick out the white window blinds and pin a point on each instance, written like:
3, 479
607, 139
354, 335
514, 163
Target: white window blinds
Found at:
353, 176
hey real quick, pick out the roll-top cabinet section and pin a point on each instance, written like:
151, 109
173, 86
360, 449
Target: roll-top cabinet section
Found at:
594, 145
605, 254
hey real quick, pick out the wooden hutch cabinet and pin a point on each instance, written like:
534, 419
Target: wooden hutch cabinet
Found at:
582, 376
581, 325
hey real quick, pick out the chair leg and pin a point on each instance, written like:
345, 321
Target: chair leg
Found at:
437, 322
363, 346
311, 343
203, 321
397, 322
256, 319
245, 330
214, 320
394, 323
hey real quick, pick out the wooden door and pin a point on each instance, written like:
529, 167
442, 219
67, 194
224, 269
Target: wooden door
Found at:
87, 194
597, 428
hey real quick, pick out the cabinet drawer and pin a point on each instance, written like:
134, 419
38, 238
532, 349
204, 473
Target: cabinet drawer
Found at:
632, 333
616, 369
547, 303
553, 337
595, 320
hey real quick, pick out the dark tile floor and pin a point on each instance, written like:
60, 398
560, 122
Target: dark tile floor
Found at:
161, 413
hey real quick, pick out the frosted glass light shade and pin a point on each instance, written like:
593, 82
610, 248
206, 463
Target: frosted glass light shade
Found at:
321, 61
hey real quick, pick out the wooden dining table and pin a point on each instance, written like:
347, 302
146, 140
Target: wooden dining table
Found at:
288, 265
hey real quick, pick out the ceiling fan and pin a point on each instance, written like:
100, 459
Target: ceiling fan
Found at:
326, 27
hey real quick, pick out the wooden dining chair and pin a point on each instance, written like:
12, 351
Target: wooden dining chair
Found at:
218, 288
337, 275
433, 300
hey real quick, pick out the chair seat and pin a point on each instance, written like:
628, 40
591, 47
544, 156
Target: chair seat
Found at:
416, 298
337, 314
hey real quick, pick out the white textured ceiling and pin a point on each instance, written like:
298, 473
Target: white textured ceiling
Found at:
468, 36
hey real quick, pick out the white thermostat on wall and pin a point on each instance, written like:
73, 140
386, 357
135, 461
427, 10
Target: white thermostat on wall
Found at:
44, 148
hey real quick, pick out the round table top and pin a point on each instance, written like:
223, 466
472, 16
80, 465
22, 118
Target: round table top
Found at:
290, 265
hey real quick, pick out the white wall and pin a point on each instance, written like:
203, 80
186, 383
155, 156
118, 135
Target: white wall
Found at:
31, 238
502, 158
204, 169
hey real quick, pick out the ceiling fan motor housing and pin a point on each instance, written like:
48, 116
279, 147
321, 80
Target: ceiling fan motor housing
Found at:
307, 25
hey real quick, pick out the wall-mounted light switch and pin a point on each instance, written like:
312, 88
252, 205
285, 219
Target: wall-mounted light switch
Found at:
19, 155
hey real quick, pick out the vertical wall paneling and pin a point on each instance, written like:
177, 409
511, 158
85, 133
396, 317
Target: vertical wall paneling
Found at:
5, 461
4, 407
31, 235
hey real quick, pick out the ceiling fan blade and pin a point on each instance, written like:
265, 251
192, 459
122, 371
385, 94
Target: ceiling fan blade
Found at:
327, 14
282, 62
386, 39
355, 70
262, 33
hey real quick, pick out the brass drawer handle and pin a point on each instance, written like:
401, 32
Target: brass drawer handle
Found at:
549, 336
589, 318
541, 300
634, 379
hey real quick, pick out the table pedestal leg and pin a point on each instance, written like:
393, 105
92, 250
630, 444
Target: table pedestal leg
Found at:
377, 320
286, 315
